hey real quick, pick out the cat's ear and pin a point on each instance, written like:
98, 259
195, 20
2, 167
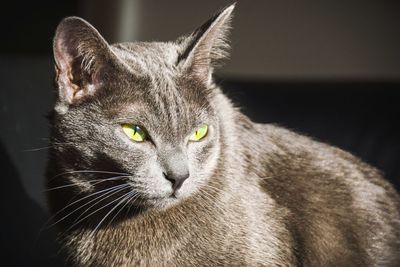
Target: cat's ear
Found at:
206, 46
80, 52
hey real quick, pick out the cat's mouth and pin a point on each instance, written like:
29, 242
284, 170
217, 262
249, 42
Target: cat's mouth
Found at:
164, 202
170, 197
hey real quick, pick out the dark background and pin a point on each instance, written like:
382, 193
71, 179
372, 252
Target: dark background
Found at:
328, 69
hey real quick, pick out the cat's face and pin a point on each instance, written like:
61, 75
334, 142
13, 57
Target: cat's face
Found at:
141, 112
168, 111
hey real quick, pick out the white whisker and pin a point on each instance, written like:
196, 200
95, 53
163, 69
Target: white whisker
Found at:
107, 193
125, 197
108, 204
88, 171
97, 181
129, 199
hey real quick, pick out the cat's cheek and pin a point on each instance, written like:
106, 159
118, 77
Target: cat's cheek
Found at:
202, 163
199, 154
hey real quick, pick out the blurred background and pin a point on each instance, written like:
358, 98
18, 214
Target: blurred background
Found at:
328, 69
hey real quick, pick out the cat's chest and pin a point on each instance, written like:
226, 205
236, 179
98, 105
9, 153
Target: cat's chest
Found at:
154, 243
190, 244
143, 243
156, 249
125, 246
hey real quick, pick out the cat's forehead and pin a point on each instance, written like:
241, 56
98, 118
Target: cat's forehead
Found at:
154, 78
157, 95
179, 107
155, 59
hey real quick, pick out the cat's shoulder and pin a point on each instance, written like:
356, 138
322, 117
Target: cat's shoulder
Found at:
298, 145
302, 152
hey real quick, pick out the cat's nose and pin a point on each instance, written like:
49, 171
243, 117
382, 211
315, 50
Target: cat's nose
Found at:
176, 179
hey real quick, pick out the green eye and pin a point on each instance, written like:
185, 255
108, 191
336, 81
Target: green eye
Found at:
199, 134
134, 132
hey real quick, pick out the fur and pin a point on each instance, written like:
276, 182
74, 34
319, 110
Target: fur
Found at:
257, 194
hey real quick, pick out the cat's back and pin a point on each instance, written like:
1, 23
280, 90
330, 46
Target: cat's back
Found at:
338, 206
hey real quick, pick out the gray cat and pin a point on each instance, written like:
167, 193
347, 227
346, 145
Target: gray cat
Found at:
151, 165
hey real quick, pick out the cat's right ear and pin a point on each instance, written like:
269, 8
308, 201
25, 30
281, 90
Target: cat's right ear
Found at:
80, 53
205, 47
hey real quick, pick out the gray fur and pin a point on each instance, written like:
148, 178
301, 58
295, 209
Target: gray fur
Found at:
257, 195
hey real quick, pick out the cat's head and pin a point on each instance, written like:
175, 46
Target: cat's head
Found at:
137, 116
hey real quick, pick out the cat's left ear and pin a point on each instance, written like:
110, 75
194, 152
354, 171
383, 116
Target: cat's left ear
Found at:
206, 46
81, 55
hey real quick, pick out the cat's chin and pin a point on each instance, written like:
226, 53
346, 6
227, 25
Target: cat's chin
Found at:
163, 203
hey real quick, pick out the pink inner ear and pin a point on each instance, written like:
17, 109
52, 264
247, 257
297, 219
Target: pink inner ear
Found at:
61, 55
79, 52
68, 90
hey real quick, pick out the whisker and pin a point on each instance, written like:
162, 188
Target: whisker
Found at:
129, 199
88, 171
70, 204
108, 204
97, 181
63, 186
103, 198
88, 196
266, 177
205, 186
125, 197
52, 145
108, 192
132, 201
36, 149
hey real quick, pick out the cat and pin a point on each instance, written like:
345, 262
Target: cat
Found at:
152, 165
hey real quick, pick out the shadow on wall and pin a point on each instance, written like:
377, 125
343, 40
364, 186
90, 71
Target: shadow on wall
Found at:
23, 243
